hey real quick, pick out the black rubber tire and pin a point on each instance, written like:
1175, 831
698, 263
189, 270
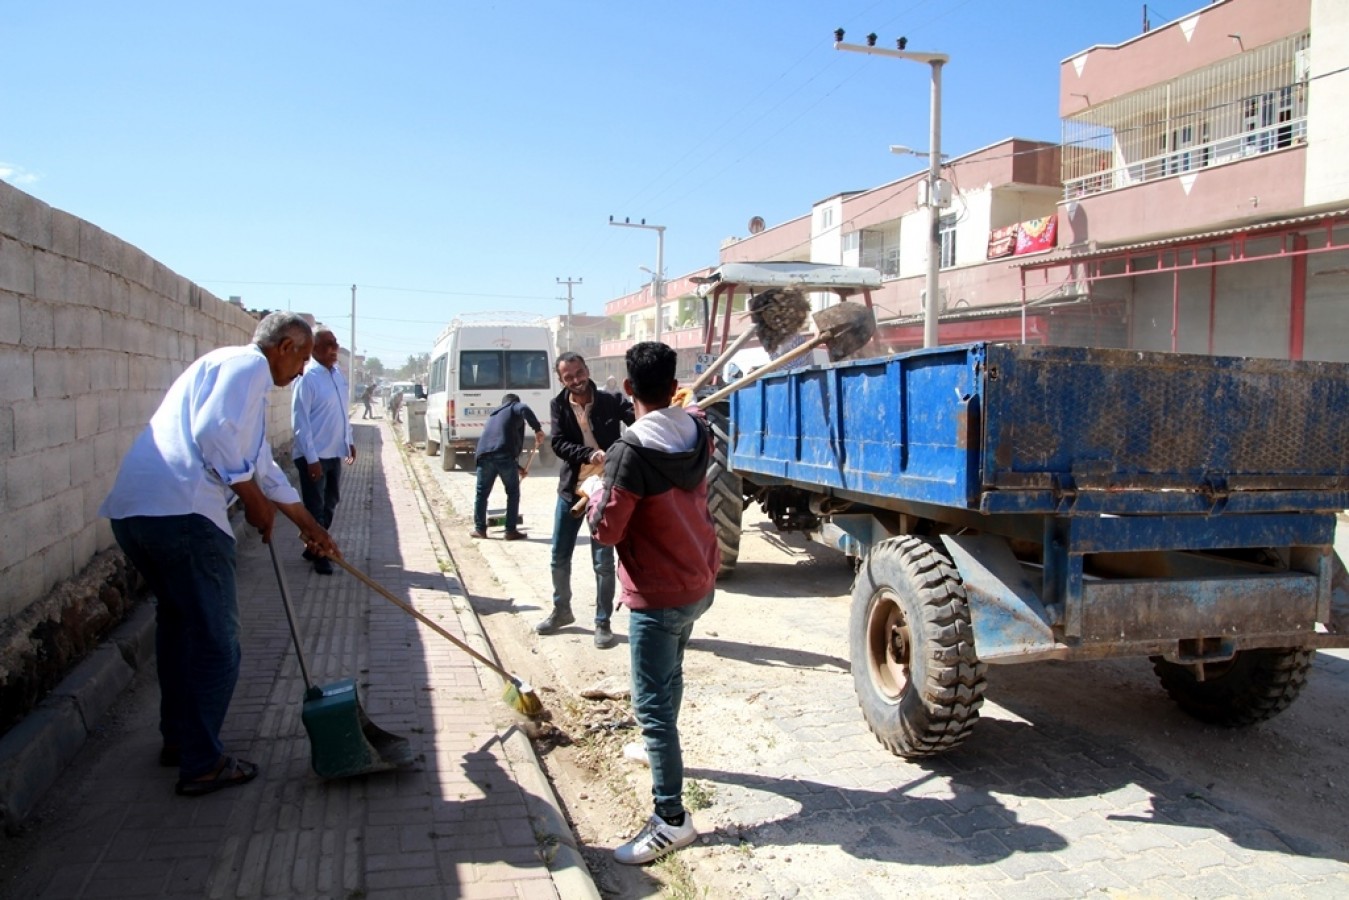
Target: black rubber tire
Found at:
1251, 687
725, 492
446, 454
917, 675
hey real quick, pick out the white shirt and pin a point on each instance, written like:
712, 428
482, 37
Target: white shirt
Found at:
318, 413
208, 433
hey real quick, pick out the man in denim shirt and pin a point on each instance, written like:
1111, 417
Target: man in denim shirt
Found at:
320, 419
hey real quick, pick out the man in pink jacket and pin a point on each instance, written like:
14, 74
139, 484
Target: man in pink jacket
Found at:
651, 505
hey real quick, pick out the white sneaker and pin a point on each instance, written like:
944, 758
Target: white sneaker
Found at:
656, 839
636, 752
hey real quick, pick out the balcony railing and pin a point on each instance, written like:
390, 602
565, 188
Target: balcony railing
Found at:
1191, 158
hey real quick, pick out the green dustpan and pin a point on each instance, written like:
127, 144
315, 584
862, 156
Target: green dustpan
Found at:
343, 740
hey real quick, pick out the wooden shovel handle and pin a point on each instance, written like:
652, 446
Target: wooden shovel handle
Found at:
790, 356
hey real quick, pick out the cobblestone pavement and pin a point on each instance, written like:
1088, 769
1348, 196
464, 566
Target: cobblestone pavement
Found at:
1081, 778
473, 817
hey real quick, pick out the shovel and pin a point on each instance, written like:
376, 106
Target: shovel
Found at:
774, 315
343, 742
844, 328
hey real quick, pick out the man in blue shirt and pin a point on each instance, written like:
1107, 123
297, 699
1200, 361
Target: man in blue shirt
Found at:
205, 447
319, 417
498, 456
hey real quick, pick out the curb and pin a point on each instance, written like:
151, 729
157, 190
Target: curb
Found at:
35, 752
566, 865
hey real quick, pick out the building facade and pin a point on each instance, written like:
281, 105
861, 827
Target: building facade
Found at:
1197, 202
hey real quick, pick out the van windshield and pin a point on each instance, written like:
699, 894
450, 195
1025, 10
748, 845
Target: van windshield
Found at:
481, 370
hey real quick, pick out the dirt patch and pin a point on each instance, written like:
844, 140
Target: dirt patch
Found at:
579, 741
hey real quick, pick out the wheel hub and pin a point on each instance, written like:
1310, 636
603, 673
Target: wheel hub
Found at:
888, 645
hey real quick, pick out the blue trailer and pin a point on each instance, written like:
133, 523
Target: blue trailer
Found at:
1008, 503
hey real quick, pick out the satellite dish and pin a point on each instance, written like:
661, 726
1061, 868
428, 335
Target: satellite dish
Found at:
756, 225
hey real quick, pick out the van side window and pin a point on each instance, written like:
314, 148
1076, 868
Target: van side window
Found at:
437, 380
480, 370
528, 370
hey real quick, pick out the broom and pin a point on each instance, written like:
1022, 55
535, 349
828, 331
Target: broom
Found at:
518, 694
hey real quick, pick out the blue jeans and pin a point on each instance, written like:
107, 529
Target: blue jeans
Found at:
565, 529
656, 641
490, 468
189, 565
321, 497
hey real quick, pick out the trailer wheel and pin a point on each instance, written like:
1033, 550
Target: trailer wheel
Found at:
446, 454
1251, 687
725, 492
918, 679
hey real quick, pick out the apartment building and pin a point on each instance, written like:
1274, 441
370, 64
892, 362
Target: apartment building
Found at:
1198, 202
1206, 182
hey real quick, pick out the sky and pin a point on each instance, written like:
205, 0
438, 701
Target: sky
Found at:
452, 158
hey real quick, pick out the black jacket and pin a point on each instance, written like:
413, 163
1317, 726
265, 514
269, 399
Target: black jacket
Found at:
504, 430
607, 414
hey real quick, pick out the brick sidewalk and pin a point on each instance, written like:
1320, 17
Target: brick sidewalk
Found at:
473, 817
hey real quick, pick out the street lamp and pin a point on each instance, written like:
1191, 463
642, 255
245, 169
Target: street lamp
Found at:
934, 155
658, 277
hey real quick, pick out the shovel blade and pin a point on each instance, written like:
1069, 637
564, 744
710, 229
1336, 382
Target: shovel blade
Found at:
342, 739
846, 328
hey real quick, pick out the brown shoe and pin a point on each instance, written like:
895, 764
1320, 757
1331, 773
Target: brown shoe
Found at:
480, 535
514, 536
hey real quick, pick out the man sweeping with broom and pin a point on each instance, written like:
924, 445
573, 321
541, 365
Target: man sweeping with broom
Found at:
651, 505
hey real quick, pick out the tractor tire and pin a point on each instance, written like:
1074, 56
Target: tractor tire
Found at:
918, 679
446, 454
1252, 686
725, 492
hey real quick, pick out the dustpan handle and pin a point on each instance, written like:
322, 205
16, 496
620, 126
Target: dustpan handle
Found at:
290, 616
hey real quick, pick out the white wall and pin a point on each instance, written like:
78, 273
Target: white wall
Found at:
1328, 99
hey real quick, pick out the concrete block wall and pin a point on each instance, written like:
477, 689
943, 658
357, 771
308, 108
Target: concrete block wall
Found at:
92, 332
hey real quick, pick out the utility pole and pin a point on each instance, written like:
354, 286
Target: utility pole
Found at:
658, 277
936, 200
351, 376
569, 283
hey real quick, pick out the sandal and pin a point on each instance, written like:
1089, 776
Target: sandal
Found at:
232, 773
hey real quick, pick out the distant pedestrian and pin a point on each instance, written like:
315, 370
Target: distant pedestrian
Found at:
498, 456
611, 386
586, 420
396, 404
205, 447
323, 439
651, 504
367, 396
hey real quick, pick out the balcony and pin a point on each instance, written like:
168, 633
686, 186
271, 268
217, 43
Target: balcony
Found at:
1251, 104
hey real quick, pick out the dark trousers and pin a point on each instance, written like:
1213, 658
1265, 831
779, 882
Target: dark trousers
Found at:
189, 565
490, 468
321, 497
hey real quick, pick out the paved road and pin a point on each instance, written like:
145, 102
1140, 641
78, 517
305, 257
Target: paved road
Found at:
1080, 778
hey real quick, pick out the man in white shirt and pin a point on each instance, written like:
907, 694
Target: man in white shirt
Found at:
204, 447
319, 417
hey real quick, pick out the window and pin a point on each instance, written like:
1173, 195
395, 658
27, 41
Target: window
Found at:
880, 251
436, 382
527, 370
852, 240
480, 370
946, 231
826, 218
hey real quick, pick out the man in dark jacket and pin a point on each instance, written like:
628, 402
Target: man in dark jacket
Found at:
651, 503
586, 422
498, 456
